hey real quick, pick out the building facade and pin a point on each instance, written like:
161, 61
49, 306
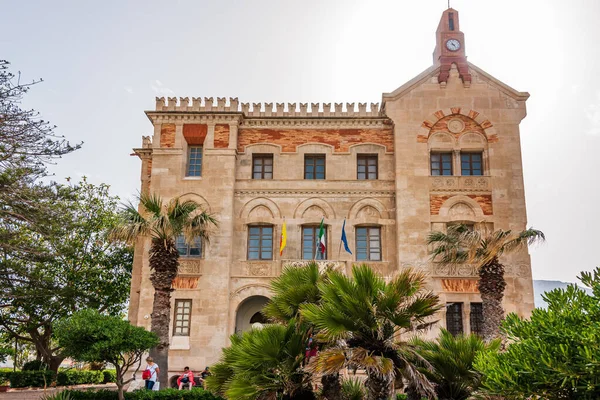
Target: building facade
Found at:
441, 149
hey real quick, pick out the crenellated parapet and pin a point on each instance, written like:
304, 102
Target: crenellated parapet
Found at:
221, 105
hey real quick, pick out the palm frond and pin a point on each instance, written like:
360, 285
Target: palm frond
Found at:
152, 203
132, 226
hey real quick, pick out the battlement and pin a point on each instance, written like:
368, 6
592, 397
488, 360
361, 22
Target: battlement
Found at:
267, 109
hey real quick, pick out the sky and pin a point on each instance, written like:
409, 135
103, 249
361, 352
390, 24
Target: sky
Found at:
104, 62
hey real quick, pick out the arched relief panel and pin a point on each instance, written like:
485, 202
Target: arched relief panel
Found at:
263, 148
313, 213
260, 210
441, 141
368, 147
461, 212
367, 210
307, 148
472, 140
457, 120
457, 207
198, 199
314, 204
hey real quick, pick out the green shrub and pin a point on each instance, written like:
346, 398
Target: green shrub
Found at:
110, 376
23, 379
353, 389
35, 365
74, 377
58, 396
401, 396
167, 394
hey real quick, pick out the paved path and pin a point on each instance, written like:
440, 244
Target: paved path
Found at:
34, 394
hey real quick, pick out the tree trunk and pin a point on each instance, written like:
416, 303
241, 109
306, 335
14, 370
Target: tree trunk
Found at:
332, 388
491, 287
164, 264
379, 387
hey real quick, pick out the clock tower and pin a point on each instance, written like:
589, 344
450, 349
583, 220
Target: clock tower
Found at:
450, 47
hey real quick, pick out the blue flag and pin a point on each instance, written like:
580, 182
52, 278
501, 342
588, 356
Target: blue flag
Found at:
344, 240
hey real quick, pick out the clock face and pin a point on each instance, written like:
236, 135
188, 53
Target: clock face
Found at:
453, 45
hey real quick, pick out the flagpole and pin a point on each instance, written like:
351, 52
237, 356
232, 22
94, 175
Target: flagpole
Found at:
340, 248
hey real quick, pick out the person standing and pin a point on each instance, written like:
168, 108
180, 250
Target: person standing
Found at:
150, 374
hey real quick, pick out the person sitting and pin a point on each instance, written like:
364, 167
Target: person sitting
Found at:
187, 378
203, 375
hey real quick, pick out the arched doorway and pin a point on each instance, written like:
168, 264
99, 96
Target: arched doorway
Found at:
248, 313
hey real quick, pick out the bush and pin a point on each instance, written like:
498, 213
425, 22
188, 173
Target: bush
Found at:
35, 365
23, 379
167, 394
353, 389
110, 376
58, 396
74, 377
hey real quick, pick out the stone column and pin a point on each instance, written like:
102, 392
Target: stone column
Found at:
456, 170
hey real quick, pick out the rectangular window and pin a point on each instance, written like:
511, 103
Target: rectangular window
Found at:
310, 243
451, 21
454, 321
184, 249
366, 165
314, 166
194, 167
471, 163
368, 243
183, 314
441, 164
262, 166
260, 243
477, 318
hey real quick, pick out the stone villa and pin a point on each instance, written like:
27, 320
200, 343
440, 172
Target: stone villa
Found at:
442, 148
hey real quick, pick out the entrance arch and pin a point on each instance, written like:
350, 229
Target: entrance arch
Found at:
249, 313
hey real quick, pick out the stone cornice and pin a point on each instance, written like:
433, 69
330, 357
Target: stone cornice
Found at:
324, 122
314, 192
193, 117
315, 122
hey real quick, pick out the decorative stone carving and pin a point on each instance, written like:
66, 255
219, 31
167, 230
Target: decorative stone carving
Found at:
368, 212
460, 285
190, 267
323, 264
454, 270
518, 270
258, 269
460, 183
185, 282
456, 125
461, 211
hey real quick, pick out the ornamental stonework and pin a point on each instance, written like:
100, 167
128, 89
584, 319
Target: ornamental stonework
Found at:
190, 267
339, 139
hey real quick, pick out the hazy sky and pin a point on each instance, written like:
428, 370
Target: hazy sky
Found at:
103, 63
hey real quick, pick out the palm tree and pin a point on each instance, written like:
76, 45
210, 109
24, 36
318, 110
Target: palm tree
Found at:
478, 246
363, 317
263, 364
163, 223
451, 358
294, 287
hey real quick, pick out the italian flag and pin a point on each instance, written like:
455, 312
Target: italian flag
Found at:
321, 243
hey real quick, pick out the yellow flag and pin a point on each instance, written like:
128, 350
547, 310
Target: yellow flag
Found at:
283, 239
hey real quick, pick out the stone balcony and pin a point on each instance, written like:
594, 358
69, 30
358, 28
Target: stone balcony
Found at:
459, 183
272, 269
